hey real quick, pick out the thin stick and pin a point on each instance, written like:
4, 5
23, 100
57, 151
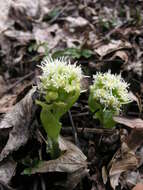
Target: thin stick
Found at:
68, 130
74, 131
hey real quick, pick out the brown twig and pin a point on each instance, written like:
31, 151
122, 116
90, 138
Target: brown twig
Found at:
68, 130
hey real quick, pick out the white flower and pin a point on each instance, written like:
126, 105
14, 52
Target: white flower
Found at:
110, 90
59, 74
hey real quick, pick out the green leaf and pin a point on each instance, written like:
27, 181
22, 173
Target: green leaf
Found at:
32, 47
51, 125
93, 105
86, 53
52, 14
75, 53
108, 119
28, 171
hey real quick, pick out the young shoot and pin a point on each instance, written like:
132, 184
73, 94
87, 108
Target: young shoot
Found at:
60, 88
107, 95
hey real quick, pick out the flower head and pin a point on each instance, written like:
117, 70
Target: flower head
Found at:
110, 91
59, 76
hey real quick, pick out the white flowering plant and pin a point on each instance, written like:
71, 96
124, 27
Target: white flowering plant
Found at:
108, 94
60, 88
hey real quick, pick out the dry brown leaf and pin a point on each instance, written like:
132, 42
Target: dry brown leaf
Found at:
5, 21
113, 46
7, 170
121, 55
19, 119
22, 37
132, 123
124, 160
74, 178
26, 7
139, 186
137, 99
50, 34
135, 139
70, 161
131, 178
76, 22
6, 103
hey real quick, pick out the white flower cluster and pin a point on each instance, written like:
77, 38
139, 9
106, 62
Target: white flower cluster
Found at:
59, 74
110, 90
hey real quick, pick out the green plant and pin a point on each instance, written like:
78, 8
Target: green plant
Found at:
75, 53
107, 95
60, 88
33, 47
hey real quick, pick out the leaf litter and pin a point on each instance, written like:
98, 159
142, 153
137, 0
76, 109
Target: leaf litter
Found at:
111, 33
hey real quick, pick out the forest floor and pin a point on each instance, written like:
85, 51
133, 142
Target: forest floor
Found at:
99, 35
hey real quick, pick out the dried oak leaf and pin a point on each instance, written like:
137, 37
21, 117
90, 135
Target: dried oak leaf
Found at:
72, 161
126, 158
122, 55
113, 46
132, 123
19, 120
130, 179
123, 160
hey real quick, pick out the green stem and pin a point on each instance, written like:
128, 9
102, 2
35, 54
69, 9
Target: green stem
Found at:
53, 148
52, 127
105, 118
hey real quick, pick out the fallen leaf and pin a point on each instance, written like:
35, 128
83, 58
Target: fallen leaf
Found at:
120, 55
2, 86
113, 46
139, 186
135, 139
19, 119
137, 99
123, 160
7, 170
5, 21
76, 22
50, 34
22, 37
70, 161
73, 179
132, 123
114, 180
30, 8
6, 103
131, 178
